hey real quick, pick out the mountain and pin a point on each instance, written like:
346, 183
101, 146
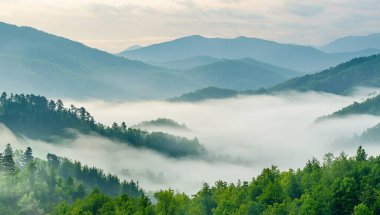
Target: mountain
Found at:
370, 106
39, 118
341, 79
213, 93
134, 47
186, 64
296, 57
161, 123
353, 43
243, 74
33, 61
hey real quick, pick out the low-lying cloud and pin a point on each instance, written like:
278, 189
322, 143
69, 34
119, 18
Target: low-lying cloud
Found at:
243, 135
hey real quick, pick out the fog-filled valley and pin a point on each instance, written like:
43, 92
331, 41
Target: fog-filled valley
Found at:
192, 107
241, 135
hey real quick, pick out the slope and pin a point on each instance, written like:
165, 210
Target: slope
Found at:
241, 74
38, 118
33, 61
341, 79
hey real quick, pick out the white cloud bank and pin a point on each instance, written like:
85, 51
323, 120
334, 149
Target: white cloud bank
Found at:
260, 130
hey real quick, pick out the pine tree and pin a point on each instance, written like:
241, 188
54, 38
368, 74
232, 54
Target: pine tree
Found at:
9, 164
123, 126
28, 156
361, 154
2, 167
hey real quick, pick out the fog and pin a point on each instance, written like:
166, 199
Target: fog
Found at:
253, 131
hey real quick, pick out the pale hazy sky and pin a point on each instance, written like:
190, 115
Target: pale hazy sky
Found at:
113, 25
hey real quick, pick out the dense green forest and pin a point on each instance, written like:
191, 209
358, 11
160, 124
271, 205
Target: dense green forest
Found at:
39, 118
338, 185
30, 185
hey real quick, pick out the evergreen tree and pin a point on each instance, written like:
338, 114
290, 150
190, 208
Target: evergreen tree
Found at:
3, 98
361, 154
27, 157
123, 126
53, 160
2, 167
9, 164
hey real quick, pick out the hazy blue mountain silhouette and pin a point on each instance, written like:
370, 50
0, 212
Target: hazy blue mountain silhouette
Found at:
297, 57
353, 44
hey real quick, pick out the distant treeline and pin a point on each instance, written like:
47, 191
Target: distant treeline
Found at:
338, 185
39, 118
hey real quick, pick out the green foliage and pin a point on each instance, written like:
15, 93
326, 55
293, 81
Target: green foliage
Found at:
341, 185
38, 118
39, 186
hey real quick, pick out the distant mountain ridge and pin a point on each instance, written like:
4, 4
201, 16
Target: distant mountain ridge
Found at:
342, 79
241, 74
32, 61
353, 43
296, 57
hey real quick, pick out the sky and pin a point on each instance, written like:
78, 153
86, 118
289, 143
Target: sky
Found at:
114, 25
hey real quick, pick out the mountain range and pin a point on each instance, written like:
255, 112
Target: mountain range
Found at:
297, 57
342, 79
353, 44
32, 61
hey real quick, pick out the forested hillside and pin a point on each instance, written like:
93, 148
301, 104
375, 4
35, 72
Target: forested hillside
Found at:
338, 185
341, 79
371, 107
39, 118
30, 185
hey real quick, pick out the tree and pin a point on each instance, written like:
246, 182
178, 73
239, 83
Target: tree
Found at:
3, 98
27, 157
31, 168
345, 195
2, 167
166, 202
9, 164
59, 105
51, 105
361, 154
362, 209
124, 126
53, 160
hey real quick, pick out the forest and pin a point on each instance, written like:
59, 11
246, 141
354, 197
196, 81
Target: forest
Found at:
56, 185
37, 117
